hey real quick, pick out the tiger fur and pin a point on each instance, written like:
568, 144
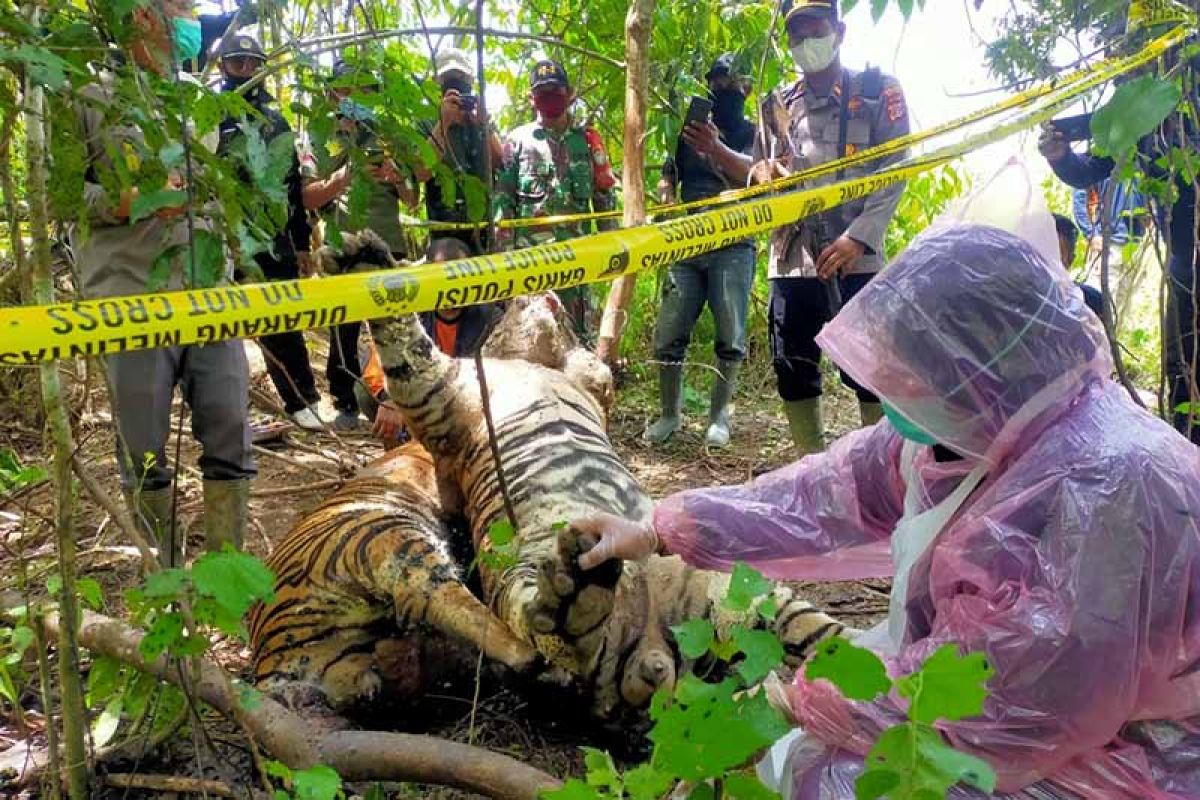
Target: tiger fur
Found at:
357, 578
609, 626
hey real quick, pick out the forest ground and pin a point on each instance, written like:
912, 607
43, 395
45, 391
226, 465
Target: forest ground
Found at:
291, 485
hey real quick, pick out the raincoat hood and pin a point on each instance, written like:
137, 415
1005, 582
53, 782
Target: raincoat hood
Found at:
972, 335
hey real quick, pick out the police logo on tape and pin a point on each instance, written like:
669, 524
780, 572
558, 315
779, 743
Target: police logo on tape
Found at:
394, 291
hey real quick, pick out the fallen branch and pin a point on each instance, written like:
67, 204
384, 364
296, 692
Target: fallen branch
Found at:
295, 462
355, 755
333, 483
167, 783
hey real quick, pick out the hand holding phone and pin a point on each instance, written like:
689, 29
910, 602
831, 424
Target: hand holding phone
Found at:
698, 111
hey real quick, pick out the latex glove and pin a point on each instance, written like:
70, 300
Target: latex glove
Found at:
616, 537
838, 256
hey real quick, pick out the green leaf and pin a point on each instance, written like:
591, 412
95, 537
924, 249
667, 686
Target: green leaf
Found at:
44, 67
875, 783
601, 771
694, 637
704, 791
277, 769
8, 686
19, 641
1135, 109
947, 686
475, 193
103, 676
768, 608
906, 7
855, 671
573, 789
165, 584
163, 634
705, 732
963, 767
848, 6
54, 585
745, 584
105, 726
762, 650
644, 782
146, 203
375, 792
209, 266
747, 787
234, 582
90, 591
316, 783
877, 9
501, 532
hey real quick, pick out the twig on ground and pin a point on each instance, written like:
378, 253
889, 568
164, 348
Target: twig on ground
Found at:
167, 783
332, 483
295, 462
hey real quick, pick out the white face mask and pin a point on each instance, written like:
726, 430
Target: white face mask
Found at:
814, 55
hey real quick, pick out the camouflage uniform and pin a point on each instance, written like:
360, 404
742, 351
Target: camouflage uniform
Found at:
545, 173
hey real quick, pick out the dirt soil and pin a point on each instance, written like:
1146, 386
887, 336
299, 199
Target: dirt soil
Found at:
296, 474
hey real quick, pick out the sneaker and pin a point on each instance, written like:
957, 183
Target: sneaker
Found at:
349, 421
308, 419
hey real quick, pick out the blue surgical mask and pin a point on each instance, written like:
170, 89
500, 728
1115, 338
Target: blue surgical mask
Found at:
355, 111
186, 36
906, 428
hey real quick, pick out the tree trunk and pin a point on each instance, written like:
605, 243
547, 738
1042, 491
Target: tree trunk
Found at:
637, 78
59, 424
354, 755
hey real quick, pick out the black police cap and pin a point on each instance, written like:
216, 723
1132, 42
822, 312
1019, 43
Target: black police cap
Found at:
547, 72
240, 44
809, 8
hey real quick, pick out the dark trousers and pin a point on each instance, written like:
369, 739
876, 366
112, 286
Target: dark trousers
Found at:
1180, 346
799, 307
287, 354
214, 381
343, 369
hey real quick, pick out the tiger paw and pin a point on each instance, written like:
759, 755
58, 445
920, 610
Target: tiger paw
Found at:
569, 601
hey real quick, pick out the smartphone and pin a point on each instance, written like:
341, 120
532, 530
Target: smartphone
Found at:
1074, 129
469, 102
699, 110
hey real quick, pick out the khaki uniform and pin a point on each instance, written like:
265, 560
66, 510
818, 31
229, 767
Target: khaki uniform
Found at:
803, 130
115, 258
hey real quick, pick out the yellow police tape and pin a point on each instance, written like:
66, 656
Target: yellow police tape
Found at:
1142, 14
38, 334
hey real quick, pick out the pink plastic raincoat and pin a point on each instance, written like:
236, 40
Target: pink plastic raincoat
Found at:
1075, 566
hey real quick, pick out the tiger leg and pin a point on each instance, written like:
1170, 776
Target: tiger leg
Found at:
801, 626
453, 610
351, 681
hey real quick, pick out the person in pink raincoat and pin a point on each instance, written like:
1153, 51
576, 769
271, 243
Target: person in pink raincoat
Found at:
1027, 508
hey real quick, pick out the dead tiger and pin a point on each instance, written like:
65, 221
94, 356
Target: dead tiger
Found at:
609, 626
360, 584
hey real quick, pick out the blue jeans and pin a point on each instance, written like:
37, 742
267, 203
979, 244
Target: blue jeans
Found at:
722, 279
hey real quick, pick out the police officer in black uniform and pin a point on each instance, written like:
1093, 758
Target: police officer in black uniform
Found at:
241, 57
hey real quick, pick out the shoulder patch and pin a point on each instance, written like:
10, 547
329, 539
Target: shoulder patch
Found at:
601, 170
894, 103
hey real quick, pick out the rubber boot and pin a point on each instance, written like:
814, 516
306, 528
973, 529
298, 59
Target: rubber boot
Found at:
670, 394
804, 421
718, 406
869, 413
151, 510
225, 508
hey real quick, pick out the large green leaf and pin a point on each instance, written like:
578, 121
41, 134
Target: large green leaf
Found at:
762, 651
857, 672
1136, 109
694, 637
146, 203
948, 686
234, 582
745, 585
